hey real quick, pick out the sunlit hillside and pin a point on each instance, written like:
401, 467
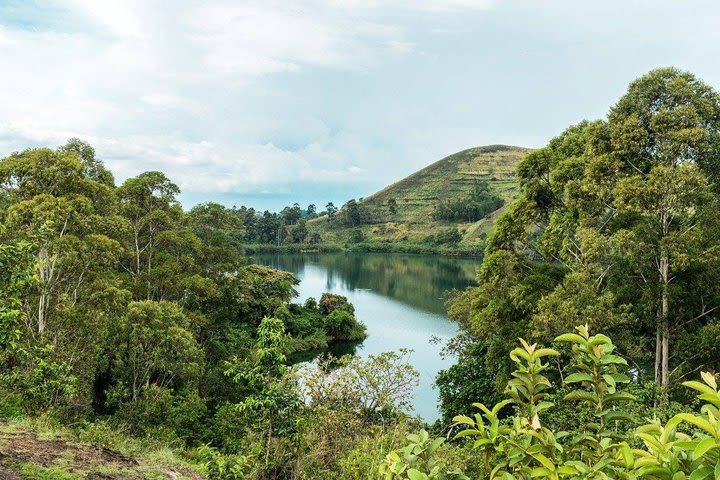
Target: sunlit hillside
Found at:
417, 195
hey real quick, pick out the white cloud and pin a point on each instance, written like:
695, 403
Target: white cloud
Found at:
152, 86
263, 95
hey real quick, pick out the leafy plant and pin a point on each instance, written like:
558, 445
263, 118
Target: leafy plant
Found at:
522, 447
417, 461
222, 467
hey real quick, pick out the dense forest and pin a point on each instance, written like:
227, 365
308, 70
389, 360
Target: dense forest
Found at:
587, 348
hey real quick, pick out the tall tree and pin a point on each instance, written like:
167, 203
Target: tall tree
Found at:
149, 204
615, 227
665, 133
331, 209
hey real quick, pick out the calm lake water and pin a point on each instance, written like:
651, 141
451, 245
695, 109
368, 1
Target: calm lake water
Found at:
401, 299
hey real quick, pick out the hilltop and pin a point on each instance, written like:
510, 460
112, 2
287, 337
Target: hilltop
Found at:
416, 196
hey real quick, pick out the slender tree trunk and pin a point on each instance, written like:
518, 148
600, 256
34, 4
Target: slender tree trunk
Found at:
137, 250
267, 444
45, 274
665, 334
664, 307
658, 346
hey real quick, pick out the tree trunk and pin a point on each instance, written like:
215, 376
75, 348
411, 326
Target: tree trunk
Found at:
665, 367
665, 322
267, 443
658, 346
137, 250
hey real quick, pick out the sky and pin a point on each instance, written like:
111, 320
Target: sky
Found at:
269, 103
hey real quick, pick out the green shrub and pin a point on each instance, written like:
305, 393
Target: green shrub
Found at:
356, 236
42, 379
600, 446
311, 304
163, 413
329, 302
418, 461
217, 466
11, 405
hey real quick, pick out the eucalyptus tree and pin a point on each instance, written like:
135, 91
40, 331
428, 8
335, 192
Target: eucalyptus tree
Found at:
62, 203
149, 204
67, 214
617, 226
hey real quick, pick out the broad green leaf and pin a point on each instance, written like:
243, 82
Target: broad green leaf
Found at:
609, 359
540, 472
571, 337
618, 397
700, 473
466, 433
609, 380
546, 462
463, 419
581, 396
700, 387
435, 444
698, 422
703, 447
599, 339
414, 474
518, 353
578, 377
709, 378
627, 455
567, 470
545, 352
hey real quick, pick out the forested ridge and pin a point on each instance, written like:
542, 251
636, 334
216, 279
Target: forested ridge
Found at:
588, 348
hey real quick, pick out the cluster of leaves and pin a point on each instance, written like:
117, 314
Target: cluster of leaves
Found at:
522, 446
352, 214
477, 205
372, 389
418, 457
616, 224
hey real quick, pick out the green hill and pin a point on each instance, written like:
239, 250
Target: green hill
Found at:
451, 179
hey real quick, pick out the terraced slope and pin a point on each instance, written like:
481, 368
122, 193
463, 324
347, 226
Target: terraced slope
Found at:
453, 177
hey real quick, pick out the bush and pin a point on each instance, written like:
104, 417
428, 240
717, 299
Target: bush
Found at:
602, 444
356, 236
11, 405
329, 302
41, 379
340, 324
419, 456
166, 414
311, 304
217, 466
450, 236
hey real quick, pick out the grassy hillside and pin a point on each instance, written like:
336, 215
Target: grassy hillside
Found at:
416, 196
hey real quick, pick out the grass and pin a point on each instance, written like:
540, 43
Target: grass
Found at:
453, 177
50, 451
37, 472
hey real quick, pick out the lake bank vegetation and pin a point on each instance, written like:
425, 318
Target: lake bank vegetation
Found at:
125, 319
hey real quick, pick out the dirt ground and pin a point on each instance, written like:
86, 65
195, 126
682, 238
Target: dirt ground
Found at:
21, 452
